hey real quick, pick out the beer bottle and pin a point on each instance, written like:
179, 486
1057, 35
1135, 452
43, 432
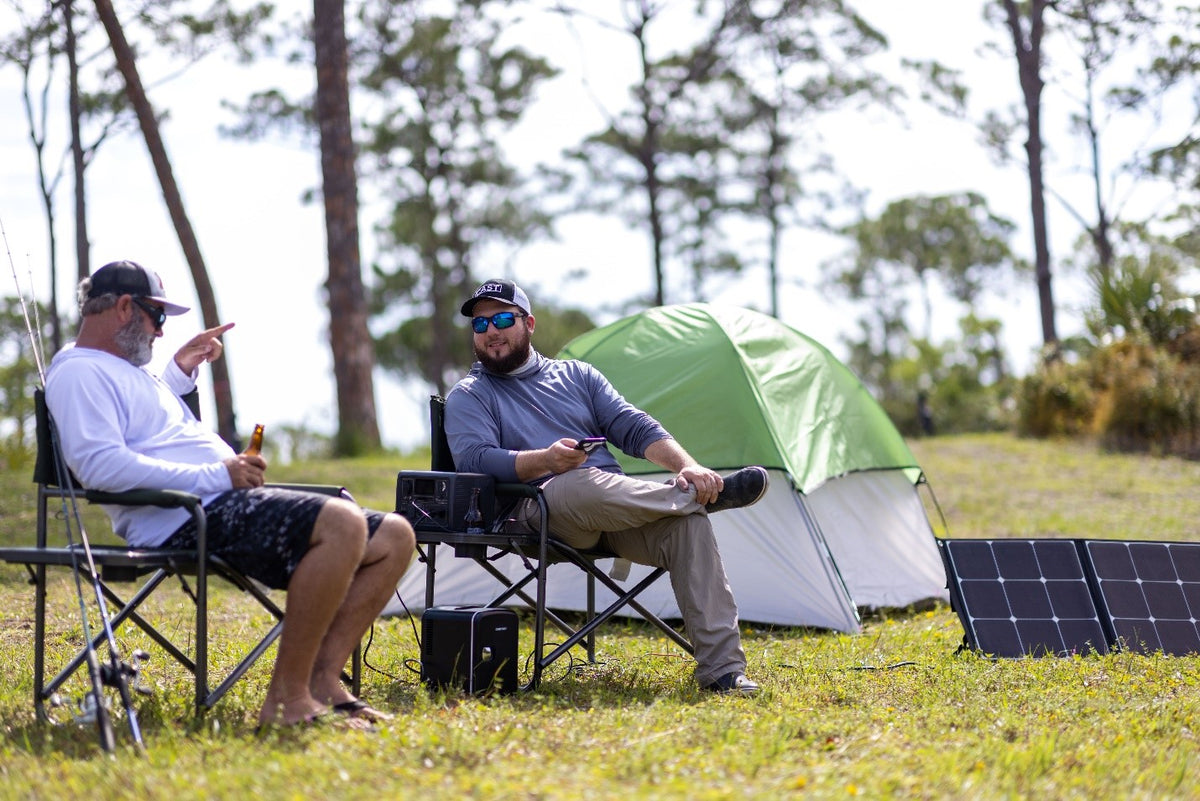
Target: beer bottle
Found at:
255, 446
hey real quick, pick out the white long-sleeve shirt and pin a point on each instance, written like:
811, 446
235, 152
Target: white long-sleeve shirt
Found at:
120, 427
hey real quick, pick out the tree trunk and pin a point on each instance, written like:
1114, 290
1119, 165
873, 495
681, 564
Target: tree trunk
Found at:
223, 394
775, 166
37, 136
1101, 232
647, 155
656, 230
82, 246
349, 338
1028, 54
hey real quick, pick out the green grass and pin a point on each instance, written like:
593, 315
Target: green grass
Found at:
891, 712
996, 485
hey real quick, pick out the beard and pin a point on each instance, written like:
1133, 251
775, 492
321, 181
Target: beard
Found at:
506, 364
134, 342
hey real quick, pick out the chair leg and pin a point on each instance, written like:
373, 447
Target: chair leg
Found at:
123, 610
201, 673
516, 589
127, 611
39, 643
539, 613
210, 699
623, 599
591, 615
354, 678
356, 671
430, 574
586, 634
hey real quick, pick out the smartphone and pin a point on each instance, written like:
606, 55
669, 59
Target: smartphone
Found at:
589, 444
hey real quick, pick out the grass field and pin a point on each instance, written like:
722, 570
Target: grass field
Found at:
890, 712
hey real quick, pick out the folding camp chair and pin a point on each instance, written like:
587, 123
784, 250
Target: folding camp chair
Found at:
147, 568
537, 551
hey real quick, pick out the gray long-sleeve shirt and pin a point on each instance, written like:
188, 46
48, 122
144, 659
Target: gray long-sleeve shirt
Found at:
490, 417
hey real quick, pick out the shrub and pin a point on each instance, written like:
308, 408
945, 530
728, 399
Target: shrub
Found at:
1132, 395
1056, 400
1149, 400
15, 453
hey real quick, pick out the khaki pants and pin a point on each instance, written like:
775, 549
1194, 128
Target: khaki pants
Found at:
655, 524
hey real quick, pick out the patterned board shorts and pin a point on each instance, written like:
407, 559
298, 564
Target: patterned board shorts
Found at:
264, 532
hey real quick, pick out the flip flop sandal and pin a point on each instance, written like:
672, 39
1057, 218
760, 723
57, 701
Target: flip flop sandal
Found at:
361, 710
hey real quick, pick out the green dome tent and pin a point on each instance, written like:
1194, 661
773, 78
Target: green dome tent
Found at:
842, 526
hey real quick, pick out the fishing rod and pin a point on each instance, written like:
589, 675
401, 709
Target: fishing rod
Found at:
116, 672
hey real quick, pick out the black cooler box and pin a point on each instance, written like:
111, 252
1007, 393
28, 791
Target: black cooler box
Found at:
471, 647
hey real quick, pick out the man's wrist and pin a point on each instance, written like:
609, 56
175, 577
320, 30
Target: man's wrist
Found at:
179, 380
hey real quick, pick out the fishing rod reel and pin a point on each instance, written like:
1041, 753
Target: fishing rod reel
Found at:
88, 709
83, 710
129, 673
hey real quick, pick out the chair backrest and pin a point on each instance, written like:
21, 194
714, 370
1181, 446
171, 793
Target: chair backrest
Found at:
192, 401
45, 467
440, 457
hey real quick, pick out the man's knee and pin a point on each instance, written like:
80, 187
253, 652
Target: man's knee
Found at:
688, 538
341, 523
398, 535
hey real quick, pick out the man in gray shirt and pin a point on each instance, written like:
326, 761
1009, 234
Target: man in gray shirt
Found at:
519, 416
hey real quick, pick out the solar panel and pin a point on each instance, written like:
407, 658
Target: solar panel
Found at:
1148, 593
1023, 597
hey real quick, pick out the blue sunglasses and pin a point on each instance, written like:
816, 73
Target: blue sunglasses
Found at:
501, 320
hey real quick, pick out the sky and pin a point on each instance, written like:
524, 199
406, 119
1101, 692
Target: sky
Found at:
265, 249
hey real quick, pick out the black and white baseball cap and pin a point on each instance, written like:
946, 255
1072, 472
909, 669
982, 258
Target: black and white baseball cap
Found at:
498, 289
130, 278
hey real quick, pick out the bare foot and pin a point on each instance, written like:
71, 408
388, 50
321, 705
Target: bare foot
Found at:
323, 719
290, 713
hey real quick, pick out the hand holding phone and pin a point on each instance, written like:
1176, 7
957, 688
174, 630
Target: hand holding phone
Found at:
589, 444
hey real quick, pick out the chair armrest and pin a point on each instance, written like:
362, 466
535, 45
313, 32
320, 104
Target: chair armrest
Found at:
170, 499
513, 493
167, 499
517, 490
323, 489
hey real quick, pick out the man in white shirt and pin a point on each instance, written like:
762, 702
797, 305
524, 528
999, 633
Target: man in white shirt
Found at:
121, 428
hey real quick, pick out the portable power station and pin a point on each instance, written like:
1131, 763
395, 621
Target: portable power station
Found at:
436, 501
470, 647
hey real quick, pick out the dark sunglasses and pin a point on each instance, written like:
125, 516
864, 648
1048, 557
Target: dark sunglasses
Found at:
501, 320
157, 316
